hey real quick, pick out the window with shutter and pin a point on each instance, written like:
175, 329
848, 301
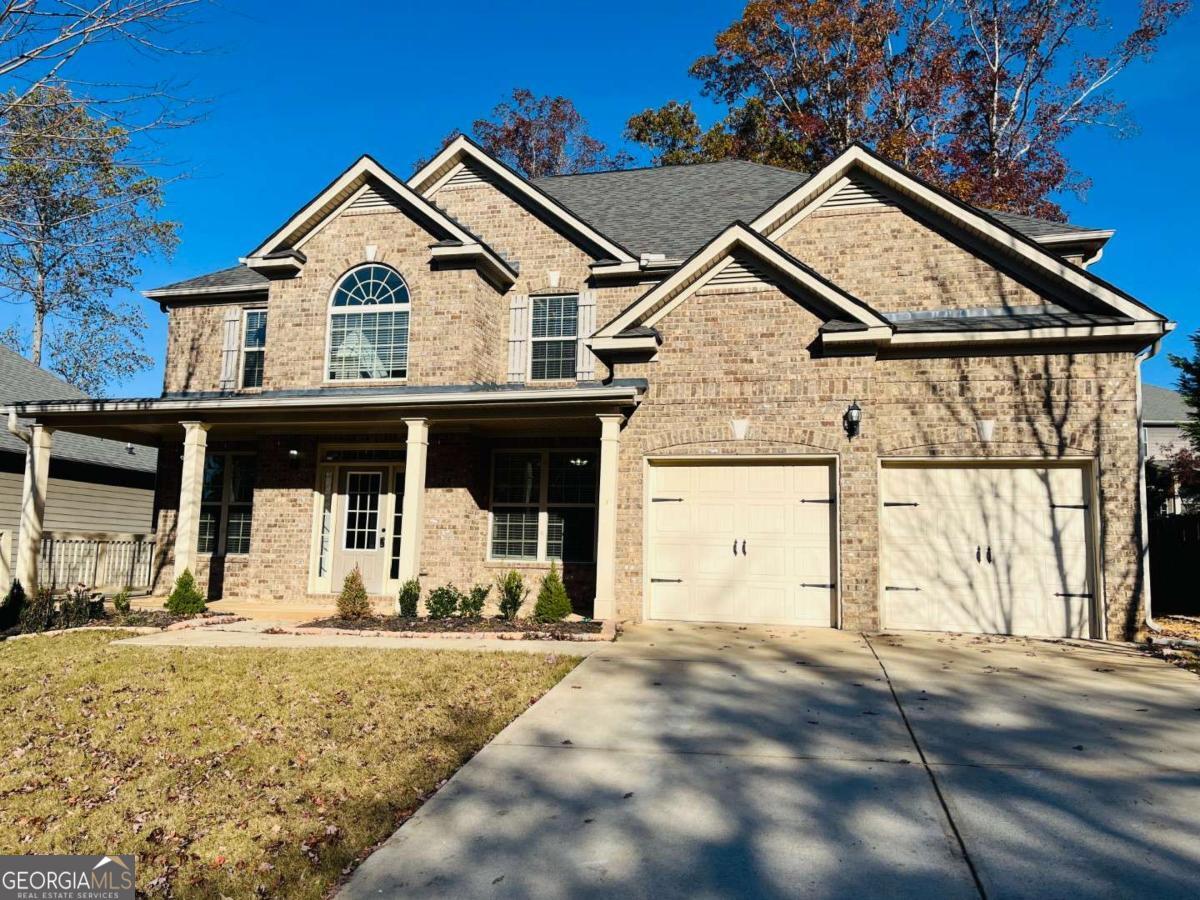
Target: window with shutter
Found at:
231, 346
518, 337
585, 365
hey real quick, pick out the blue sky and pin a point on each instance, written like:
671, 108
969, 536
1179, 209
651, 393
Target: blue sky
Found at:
299, 90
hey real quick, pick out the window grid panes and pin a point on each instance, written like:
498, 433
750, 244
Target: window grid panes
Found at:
254, 342
366, 341
555, 328
559, 485
362, 510
227, 503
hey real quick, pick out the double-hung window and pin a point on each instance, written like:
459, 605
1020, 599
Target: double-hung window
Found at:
554, 336
226, 503
368, 325
254, 343
544, 505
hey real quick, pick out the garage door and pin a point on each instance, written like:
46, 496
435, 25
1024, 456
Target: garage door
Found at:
992, 549
749, 542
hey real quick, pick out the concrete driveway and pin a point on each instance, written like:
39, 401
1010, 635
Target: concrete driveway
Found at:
716, 761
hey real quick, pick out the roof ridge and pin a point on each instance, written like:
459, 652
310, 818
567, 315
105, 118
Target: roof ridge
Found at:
668, 166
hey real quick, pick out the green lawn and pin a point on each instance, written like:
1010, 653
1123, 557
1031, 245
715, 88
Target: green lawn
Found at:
238, 771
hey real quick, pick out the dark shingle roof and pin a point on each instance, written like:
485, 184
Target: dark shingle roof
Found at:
677, 209
232, 278
1160, 404
22, 380
1036, 228
672, 209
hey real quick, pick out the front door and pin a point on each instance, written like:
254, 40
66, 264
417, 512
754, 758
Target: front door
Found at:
362, 539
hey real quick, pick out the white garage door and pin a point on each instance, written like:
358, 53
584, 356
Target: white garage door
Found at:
992, 549
748, 542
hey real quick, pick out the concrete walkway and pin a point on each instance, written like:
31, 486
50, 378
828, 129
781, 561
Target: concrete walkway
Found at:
719, 762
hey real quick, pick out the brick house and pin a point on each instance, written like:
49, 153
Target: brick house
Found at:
721, 392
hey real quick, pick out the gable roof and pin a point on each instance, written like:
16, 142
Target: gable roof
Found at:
462, 150
21, 380
979, 223
1160, 404
738, 238
676, 210
282, 247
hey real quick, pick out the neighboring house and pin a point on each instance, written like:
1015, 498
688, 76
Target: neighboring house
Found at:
721, 392
100, 492
1164, 413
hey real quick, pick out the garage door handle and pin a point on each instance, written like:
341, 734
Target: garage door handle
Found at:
666, 580
978, 553
989, 554
743, 548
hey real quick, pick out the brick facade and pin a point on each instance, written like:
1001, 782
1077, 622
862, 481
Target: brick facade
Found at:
739, 355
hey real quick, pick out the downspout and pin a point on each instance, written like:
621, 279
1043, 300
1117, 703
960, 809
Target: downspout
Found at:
1149, 353
16, 429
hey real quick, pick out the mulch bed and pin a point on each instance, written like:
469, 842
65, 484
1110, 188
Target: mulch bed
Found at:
456, 624
139, 618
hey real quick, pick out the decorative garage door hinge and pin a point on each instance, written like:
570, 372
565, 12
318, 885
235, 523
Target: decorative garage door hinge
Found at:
828, 500
811, 584
666, 499
900, 503
1068, 506
666, 580
1086, 596
891, 587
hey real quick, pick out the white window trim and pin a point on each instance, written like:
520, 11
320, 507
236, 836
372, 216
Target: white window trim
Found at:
329, 314
531, 340
243, 349
219, 549
543, 505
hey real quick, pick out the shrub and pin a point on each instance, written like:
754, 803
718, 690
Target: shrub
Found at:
37, 614
185, 599
121, 603
512, 593
10, 610
471, 605
353, 602
553, 604
443, 602
410, 596
76, 607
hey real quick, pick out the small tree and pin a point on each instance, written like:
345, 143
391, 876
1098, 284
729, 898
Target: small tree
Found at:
553, 604
353, 602
471, 604
14, 602
443, 602
410, 596
185, 599
512, 590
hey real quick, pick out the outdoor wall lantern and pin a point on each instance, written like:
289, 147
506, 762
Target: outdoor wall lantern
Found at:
293, 454
852, 419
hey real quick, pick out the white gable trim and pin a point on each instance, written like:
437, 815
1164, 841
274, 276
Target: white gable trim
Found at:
775, 221
340, 194
439, 170
704, 265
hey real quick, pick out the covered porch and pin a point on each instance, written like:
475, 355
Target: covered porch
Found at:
271, 499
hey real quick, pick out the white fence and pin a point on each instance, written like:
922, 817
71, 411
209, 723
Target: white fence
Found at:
101, 561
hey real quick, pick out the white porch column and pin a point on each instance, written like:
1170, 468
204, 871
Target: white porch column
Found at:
191, 481
412, 524
33, 507
605, 606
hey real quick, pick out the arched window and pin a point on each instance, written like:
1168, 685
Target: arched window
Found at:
368, 325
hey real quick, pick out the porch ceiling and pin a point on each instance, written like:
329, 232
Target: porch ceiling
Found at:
340, 411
